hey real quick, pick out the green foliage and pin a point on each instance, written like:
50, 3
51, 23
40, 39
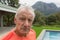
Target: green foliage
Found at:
39, 18
13, 3
53, 19
8, 19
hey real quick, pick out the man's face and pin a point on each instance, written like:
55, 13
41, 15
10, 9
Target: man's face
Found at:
24, 22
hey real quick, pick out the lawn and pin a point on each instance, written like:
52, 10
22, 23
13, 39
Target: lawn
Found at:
39, 29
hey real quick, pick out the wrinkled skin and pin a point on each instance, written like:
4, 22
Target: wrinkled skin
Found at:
23, 22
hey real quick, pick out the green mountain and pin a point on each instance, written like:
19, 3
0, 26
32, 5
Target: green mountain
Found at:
46, 8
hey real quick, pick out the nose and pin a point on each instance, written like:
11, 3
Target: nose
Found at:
26, 24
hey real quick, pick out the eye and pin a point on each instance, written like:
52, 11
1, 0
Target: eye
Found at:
22, 19
30, 20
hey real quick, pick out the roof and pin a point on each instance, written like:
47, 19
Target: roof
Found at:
4, 7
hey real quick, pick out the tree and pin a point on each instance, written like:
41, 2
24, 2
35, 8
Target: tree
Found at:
58, 18
13, 3
53, 19
8, 19
39, 18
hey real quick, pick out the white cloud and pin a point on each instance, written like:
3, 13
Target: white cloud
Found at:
27, 2
31, 2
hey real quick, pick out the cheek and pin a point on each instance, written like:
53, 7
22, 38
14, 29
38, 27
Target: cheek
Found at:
31, 23
19, 24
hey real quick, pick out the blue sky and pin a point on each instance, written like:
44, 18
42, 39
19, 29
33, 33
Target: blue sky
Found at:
31, 2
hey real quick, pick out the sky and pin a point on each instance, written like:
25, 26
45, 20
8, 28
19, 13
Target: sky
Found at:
31, 2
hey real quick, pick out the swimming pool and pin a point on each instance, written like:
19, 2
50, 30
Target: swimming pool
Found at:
50, 35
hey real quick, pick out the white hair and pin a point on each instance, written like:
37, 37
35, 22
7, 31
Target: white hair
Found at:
25, 7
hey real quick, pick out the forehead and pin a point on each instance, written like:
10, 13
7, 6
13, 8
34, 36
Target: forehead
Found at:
25, 12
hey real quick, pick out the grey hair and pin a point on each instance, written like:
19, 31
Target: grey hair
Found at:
27, 7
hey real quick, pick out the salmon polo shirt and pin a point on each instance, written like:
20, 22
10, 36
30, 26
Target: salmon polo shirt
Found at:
12, 36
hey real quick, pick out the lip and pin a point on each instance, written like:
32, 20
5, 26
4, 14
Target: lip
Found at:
25, 30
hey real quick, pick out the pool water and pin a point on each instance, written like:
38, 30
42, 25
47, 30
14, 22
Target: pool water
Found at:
52, 35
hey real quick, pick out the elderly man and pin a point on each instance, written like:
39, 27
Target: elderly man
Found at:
24, 18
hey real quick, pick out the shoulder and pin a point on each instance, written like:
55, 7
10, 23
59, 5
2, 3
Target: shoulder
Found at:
32, 32
32, 35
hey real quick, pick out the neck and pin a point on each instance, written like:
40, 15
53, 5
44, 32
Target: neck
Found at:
20, 34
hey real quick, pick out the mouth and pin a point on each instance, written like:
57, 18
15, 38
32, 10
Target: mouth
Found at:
24, 29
